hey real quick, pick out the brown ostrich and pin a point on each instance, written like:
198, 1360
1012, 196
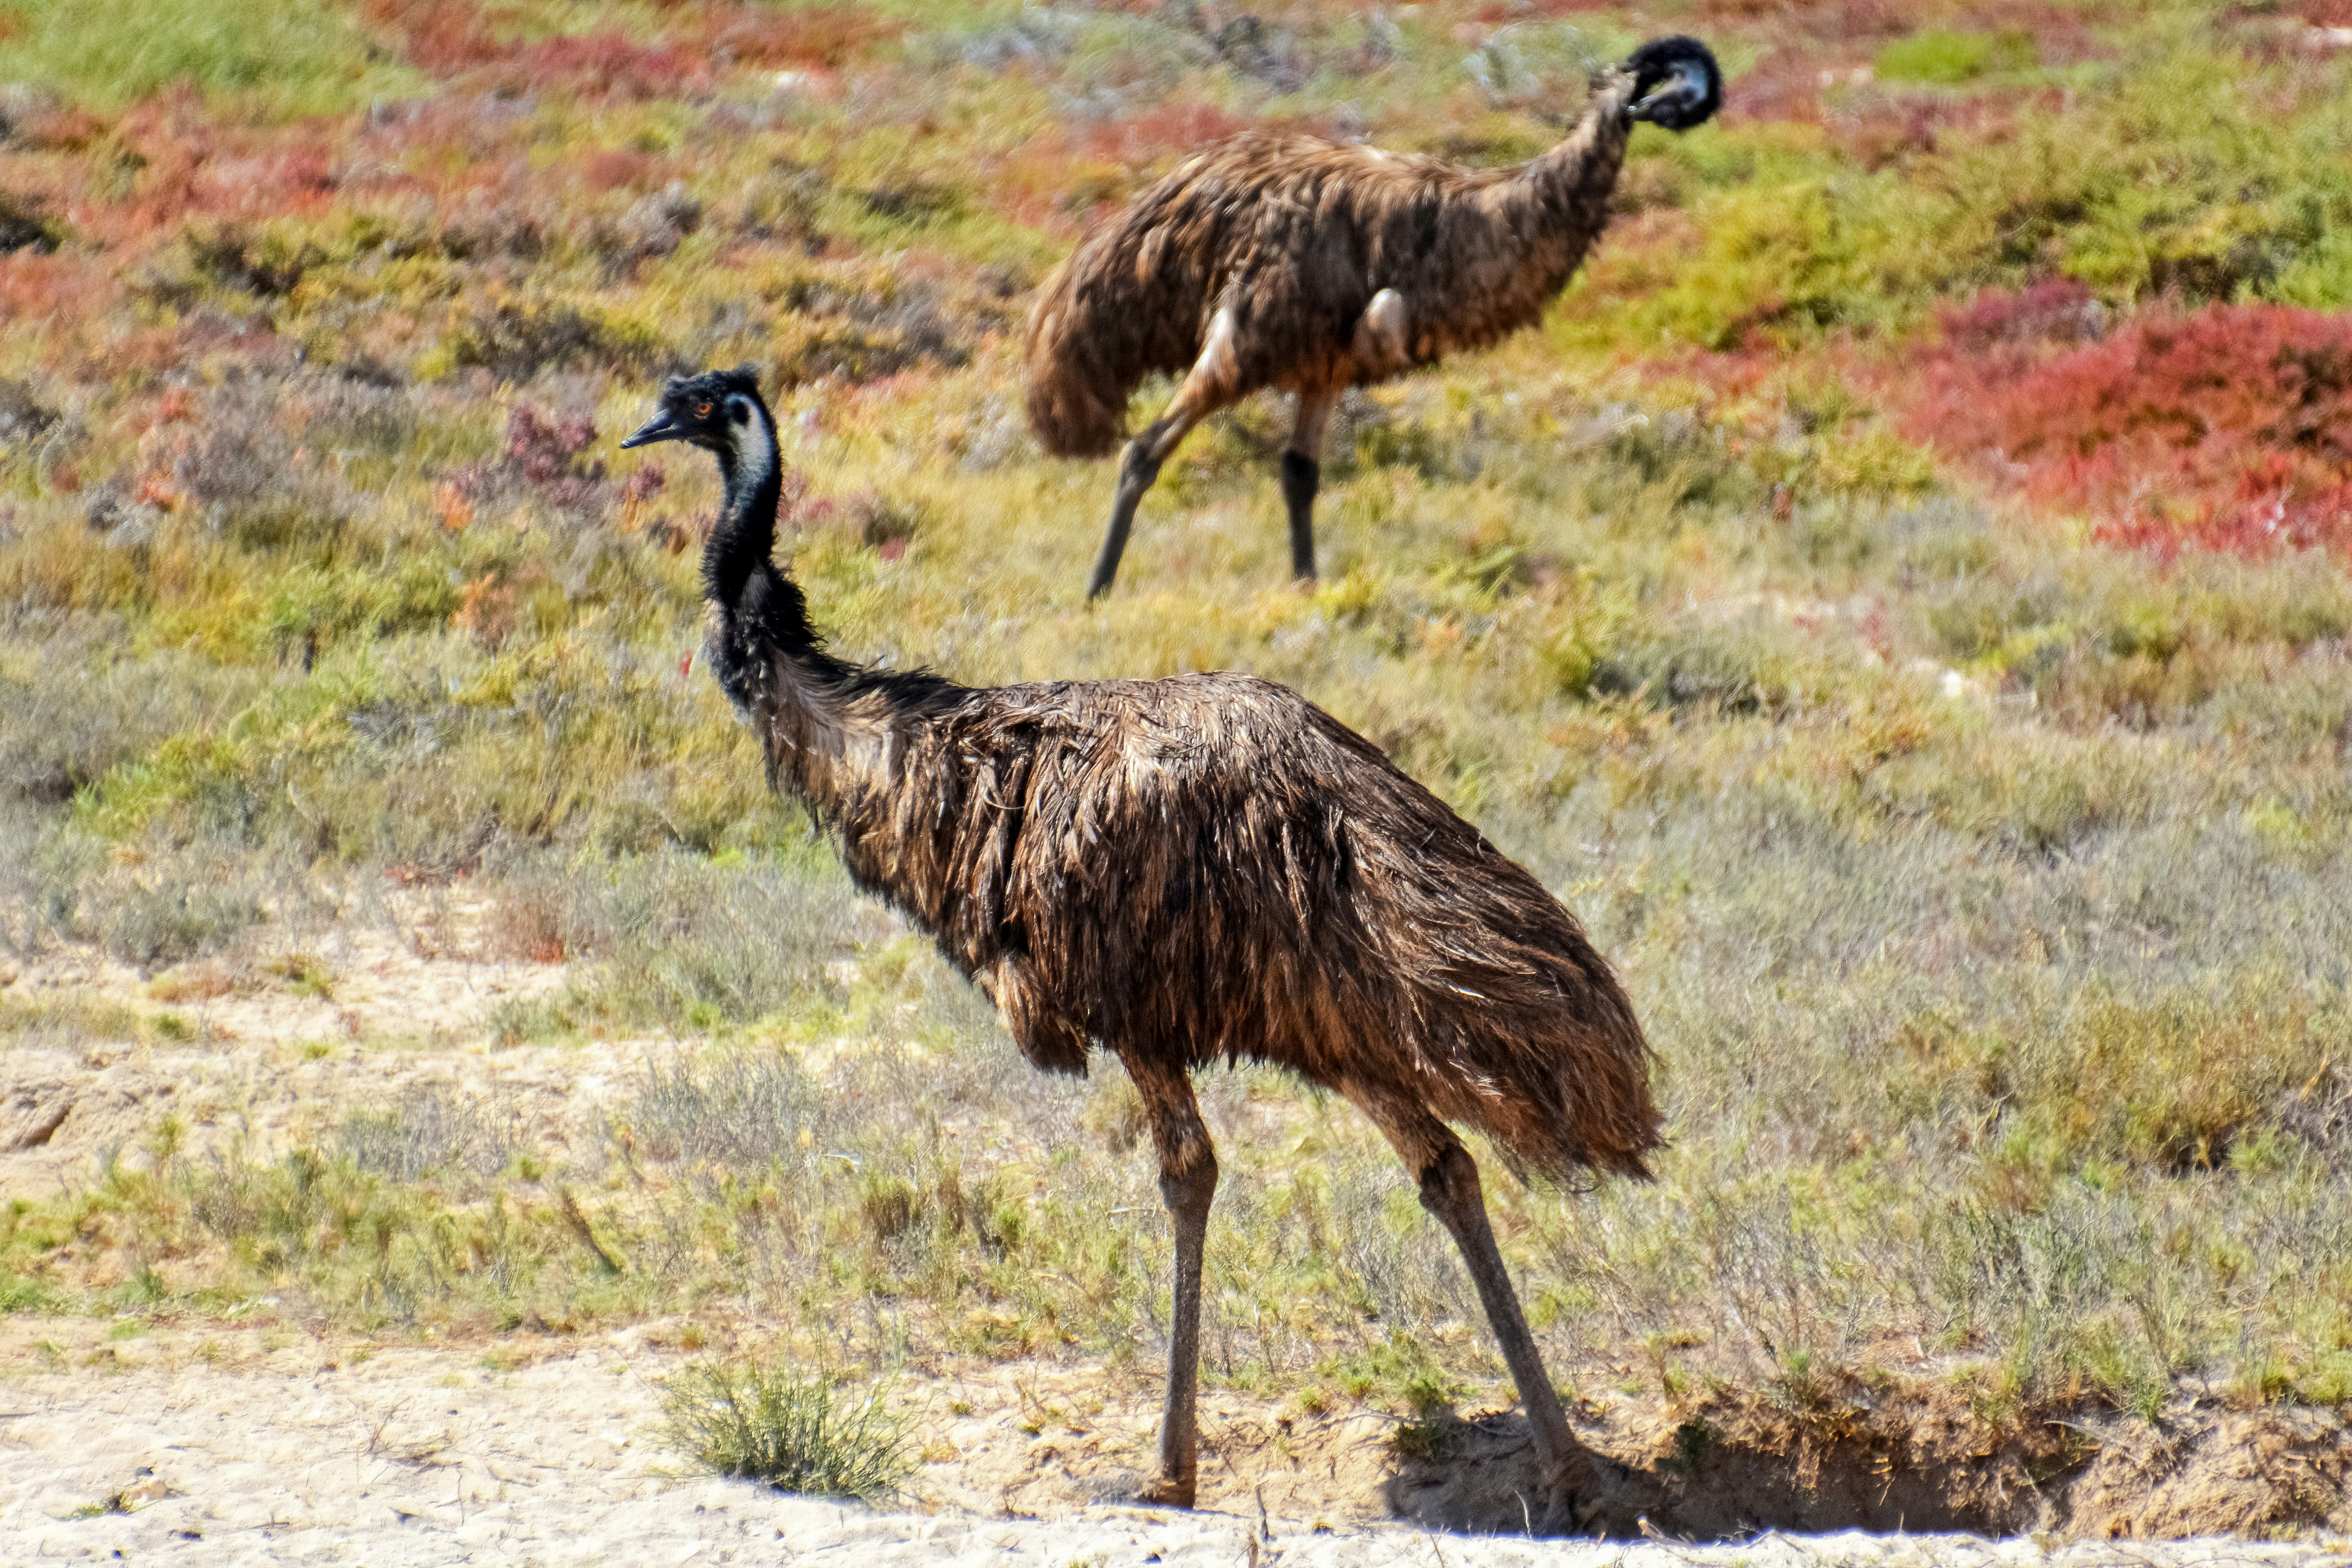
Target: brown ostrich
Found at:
1184, 870
1288, 261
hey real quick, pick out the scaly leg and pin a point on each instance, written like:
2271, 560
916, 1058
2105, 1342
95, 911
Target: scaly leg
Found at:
1302, 472
1188, 1184
1210, 385
1450, 1191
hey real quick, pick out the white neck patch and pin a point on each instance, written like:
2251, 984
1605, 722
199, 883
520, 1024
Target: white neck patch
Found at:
753, 459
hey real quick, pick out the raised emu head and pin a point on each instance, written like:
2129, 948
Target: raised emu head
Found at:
1676, 83
717, 411
721, 412
756, 605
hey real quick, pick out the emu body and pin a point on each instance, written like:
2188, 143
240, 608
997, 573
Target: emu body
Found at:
1182, 871
1310, 265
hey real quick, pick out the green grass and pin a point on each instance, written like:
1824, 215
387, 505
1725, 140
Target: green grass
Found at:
1940, 59
796, 1429
286, 59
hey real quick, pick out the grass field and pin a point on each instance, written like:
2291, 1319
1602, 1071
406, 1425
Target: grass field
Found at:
1898, 599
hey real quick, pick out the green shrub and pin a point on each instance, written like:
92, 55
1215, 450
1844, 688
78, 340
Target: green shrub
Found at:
1940, 59
295, 58
798, 1431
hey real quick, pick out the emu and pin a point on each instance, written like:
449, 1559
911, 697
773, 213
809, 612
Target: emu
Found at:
1283, 261
1183, 870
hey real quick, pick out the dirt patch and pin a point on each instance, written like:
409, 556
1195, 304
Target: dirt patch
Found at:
265, 1054
1918, 1460
268, 1444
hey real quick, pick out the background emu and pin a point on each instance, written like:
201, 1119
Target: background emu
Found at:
1312, 266
1187, 869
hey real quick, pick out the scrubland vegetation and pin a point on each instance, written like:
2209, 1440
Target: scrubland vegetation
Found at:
1900, 600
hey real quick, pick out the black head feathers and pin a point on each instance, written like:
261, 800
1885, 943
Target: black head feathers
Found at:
1676, 83
710, 410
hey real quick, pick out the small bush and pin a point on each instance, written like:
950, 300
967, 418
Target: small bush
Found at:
431, 1128
516, 342
548, 455
739, 1108
1949, 59
25, 224
797, 1431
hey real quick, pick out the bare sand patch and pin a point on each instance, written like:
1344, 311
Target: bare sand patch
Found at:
270, 1445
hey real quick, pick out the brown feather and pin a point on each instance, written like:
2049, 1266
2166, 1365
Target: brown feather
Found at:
1296, 235
1211, 867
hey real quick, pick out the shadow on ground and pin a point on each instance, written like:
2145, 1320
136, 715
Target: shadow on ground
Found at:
1726, 1470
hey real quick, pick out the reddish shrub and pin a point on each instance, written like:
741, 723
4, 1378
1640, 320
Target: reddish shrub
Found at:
2058, 311
611, 169
545, 456
2229, 427
823, 36
607, 65
449, 37
1178, 128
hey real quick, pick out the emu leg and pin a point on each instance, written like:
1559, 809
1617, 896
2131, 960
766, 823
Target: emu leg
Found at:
1137, 468
1302, 472
1188, 1184
1208, 386
1451, 1192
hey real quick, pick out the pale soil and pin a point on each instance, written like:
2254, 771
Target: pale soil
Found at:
247, 1446
245, 1441
266, 1067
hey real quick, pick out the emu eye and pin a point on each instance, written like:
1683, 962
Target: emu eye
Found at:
702, 410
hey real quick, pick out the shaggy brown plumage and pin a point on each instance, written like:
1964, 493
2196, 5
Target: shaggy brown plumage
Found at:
1282, 260
1183, 870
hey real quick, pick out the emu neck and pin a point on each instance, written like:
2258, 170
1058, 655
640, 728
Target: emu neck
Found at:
767, 656
744, 538
1557, 205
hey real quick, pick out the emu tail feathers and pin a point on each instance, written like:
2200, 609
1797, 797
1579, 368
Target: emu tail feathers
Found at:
1073, 383
1533, 1041
1577, 1101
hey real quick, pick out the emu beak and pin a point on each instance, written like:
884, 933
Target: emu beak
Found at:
657, 428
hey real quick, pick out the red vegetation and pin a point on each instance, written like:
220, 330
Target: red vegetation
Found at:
450, 37
2059, 311
2225, 429
823, 36
1178, 128
546, 454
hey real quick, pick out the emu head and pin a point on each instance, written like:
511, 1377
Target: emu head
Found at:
717, 411
1676, 83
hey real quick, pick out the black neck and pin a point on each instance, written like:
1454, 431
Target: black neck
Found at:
761, 609
745, 536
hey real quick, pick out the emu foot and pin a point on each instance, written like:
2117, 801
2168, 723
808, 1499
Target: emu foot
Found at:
1595, 1493
1147, 1491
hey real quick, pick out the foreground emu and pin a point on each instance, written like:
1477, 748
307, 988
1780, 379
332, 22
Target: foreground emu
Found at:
1282, 260
1188, 870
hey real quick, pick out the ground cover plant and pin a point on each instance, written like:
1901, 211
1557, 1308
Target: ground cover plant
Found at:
1899, 599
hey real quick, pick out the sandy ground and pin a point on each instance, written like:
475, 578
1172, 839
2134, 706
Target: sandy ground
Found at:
245, 1441
242, 1055
296, 1452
